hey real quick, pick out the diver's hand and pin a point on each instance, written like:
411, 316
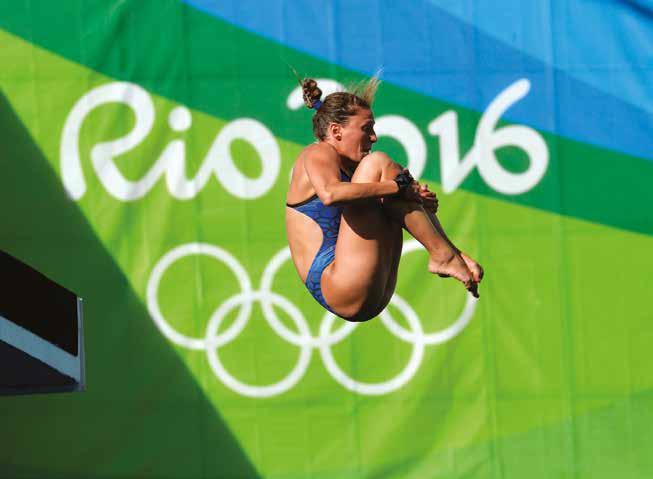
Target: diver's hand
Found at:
429, 199
412, 193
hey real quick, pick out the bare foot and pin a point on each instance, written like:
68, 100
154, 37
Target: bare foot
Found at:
475, 268
456, 267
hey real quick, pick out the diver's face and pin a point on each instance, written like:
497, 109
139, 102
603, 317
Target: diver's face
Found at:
354, 140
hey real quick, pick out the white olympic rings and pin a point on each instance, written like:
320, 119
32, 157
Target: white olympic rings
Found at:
303, 339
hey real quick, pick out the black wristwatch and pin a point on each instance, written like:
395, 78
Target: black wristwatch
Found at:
403, 180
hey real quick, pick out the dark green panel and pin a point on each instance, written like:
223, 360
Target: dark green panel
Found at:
129, 422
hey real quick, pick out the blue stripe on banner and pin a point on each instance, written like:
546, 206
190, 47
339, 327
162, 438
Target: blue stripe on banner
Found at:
607, 45
583, 85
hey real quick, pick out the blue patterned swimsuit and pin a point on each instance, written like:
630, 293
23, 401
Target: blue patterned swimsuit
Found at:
328, 218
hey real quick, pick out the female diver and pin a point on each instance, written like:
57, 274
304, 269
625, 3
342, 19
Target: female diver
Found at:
346, 207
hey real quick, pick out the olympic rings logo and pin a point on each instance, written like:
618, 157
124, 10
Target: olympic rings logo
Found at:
213, 340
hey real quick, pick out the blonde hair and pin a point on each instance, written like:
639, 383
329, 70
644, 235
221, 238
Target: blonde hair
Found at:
366, 89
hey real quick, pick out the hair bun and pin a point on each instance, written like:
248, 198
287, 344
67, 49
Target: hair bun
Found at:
311, 92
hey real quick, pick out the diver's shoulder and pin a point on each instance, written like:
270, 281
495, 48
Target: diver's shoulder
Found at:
319, 150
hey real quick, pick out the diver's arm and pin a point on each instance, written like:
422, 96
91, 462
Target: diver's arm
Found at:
323, 173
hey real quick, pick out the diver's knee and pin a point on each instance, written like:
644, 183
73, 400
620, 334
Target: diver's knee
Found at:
380, 161
376, 166
377, 157
383, 162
